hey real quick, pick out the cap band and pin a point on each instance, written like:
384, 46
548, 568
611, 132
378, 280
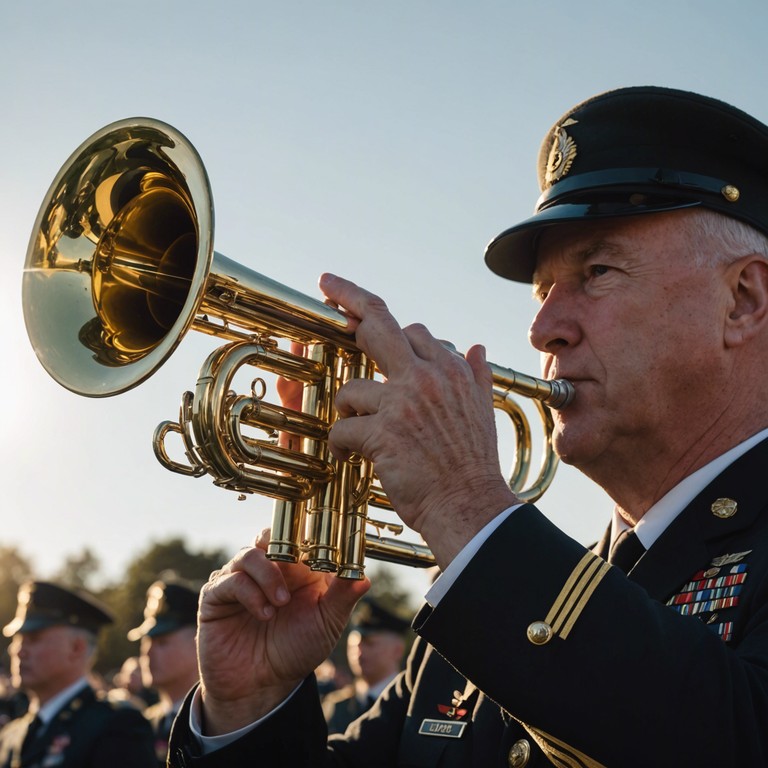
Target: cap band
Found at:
634, 179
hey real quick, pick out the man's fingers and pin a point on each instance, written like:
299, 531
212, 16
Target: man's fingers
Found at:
249, 579
351, 298
478, 361
377, 332
423, 343
343, 594
347, 436
359, 397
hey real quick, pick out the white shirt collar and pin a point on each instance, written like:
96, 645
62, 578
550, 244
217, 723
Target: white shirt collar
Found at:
50, 709
658, 518
376, 690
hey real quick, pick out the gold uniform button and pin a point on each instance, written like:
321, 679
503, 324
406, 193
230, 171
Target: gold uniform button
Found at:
539, 633
724, 508
519, 754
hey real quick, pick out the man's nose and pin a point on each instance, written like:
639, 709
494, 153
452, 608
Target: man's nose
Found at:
555, 325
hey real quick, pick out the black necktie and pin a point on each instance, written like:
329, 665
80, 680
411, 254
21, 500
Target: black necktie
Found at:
626, 550
32, 730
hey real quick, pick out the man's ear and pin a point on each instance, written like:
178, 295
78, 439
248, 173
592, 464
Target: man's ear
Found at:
748, 314
75, 647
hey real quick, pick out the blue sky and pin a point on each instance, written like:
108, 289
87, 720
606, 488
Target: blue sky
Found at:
388, 142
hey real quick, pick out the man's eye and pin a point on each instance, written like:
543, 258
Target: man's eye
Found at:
595, 270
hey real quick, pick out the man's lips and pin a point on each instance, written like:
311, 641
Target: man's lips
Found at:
574, 378
579, 383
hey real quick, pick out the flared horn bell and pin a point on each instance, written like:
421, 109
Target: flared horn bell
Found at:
118, 259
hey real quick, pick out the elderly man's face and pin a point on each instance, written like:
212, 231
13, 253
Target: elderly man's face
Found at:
46, 661
627, 317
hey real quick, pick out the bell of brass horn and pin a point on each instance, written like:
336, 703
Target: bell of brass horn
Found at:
121, 265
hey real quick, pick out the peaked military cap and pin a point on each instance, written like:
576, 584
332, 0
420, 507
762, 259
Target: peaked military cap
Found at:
641, 150
371, 616
171, 604
42, 604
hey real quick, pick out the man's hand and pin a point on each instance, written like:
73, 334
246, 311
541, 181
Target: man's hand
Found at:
263, 627
429, 429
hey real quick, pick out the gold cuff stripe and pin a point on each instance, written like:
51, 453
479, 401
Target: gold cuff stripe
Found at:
584, 599
575, 593
568, 586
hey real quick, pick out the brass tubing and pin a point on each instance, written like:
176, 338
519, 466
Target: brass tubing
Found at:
121, 265
323, 510
555, 393
356, 483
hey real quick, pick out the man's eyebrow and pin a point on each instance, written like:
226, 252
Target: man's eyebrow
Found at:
602, 245
594, 248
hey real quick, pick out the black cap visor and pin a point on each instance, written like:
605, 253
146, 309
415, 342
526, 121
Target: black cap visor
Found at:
512, 254
30, 624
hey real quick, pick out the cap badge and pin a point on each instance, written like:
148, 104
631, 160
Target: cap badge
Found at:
561, 154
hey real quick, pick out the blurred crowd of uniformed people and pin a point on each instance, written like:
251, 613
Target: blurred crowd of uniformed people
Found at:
57, 712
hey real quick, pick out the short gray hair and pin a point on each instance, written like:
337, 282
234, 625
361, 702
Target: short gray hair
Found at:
90, 639
718, 239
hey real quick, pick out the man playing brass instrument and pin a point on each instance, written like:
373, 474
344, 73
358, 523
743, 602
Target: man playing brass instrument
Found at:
648, 257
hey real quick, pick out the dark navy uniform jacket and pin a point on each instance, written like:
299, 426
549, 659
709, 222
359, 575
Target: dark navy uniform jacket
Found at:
161, 719
571, 662
88, 732
341, 707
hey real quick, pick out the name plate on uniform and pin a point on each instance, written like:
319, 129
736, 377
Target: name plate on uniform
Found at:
448, 729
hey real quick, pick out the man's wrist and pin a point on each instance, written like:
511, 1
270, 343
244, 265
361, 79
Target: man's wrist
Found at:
211, 743
447, 535
219, 717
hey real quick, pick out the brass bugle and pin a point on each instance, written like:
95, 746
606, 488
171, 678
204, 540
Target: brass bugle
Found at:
121, 265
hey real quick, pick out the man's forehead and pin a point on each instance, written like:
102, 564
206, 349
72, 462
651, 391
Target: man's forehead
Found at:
580, 241
52, 632
572, 244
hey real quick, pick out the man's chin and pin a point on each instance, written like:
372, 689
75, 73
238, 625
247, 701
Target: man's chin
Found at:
571, 447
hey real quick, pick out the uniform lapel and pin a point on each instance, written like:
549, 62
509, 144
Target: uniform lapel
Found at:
602, 546
32, 736
436, 683
58, 733
697, 535
33, 752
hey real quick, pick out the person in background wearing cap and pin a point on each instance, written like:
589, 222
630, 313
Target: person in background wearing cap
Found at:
128, 685
648, 257
375, 650
68, 724
168, 653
